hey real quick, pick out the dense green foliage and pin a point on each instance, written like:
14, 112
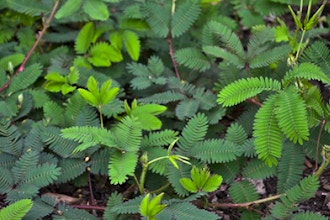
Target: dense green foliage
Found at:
141, 93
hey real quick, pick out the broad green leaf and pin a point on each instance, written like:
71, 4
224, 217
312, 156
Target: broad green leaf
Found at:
55, 77
70, 7
189, 185
73, 76
92, 86
80, 61
199, 176
100, 54
96, 9
212, 183
149, 121
154, 206
144, 205
89, 97
115, 54
66, 88
132, 44
105, 87
53, 86
84, 38
116, 39
110, 95
153, 109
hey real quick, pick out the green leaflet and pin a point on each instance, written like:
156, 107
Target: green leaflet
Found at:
292, 115
25, 78
121, 165
84, 38
243, 89
102, 54
132, 44
185, 15
96, 9
69, 8
268, 136
17, 210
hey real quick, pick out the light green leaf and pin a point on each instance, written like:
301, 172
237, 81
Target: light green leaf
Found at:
132, 44
17, 210
89, 97
212, 183
96, 9
144, 205
115, 54
84, 38
189, 185
70, 7
66, 88
100, 54
110, 95
116, 39
53, 86
92, 86
55, 77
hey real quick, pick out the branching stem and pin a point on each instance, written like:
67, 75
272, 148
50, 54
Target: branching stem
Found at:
40, 35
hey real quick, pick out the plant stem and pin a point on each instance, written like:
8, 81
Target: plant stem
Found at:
143, 177
101, 117
171, 52
246, 204
326, 160
318, 144
27, 57
160, 189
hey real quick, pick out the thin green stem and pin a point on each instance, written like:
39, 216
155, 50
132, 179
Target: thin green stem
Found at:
246, 204
160, 189
143, 178
300, 45
101, 117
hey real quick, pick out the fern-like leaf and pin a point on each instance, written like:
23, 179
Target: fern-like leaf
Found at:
243, 191
100, 160
89, 137
317, 53
185, 211
225, 54
25, 78
158, 22
185, 15
305, 71
257, 169
26, 162
53, 113
243, 89
42, 175
128, 134
228, 171
187, 108
292, 115
31, 8
193, 132
6, 180
270, 56
290, 167
192, 58
267, 133
115, 199
67, 212
236, 134
299, 193
17, 210
309, 216
163, 98
122, 165
174, 175
215, 32
70, 169
160, 138
215, 151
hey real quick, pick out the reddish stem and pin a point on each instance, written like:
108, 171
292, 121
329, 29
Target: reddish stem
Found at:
171, 52
27, 57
